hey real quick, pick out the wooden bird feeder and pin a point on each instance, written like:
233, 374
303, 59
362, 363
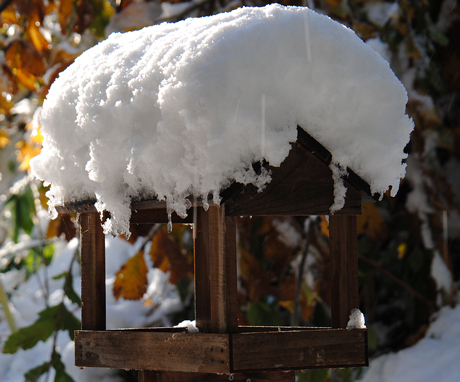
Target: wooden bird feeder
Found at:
222, 350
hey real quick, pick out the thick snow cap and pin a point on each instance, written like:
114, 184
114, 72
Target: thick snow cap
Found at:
184, 109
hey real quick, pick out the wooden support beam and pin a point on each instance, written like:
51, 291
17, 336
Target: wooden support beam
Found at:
153, 350
261, 376
216, 305
343, 244
92, 243
299, 349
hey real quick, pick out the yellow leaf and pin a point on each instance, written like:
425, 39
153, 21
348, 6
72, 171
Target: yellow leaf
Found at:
324, 226
168, 254
4, 139
131, 279
26, 152
25, 61
371, 223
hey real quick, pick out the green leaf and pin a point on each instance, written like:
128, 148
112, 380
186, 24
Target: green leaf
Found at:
68, 321
60, 276
27, 338
34, 374
40, 330
61, 375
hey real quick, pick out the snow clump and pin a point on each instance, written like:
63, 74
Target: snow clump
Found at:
356, 320
183, 110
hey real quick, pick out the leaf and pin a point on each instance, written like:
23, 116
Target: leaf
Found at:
168, 253
34, 374
131, 279
68, 321
26, 152
70, 292
25, 61
61, 375
4, 139
371, 223
33, 31
27, 337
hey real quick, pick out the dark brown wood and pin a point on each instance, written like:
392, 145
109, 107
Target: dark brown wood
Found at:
157, 215
260, 376
299, 349
92, 244
148, 376
159, 351
216, 305
343, 242
201, 264
317, 149
302, 185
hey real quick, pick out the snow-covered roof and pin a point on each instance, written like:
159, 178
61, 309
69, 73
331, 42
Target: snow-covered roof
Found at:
184, 109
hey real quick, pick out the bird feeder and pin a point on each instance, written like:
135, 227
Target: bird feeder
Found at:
222, 350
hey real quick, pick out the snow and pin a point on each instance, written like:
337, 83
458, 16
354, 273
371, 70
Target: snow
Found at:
190, 325
182, 110
434, 358
28, 299
356, 320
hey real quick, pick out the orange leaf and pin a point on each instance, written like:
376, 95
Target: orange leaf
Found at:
26, 152
131, 279
4, 139
26, 62
168, 254
371, 223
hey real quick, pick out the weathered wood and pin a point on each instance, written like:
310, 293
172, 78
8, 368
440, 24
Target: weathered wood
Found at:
343, 242
201, 264
260, 376
216, 305
159, 351
302, 185
317, 149
148, 376
299, 349
93, 314
157, 215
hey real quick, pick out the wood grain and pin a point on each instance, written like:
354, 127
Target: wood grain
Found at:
93, 313
260, 376
160, 351
343, 242
327, 348
301, 186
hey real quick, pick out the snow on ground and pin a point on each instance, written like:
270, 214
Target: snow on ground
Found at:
434, 358
28, 300
184, 109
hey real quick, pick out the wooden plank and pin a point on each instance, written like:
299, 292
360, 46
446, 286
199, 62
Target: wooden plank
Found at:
222, 267
216, 305
302, 185
317, 149
157, 215
93, 314
148, 376
261, 376
201, 264
299, 349
185, 352
343, 242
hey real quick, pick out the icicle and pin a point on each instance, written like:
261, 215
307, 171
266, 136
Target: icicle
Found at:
169, 223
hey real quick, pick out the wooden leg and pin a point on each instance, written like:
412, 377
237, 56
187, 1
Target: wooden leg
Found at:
149, 376
216, 305
344, 268
92, 244
260, 376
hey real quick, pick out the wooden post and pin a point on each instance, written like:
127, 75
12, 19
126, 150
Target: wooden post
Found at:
216, 305
148, 376
343, 246
92, 272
